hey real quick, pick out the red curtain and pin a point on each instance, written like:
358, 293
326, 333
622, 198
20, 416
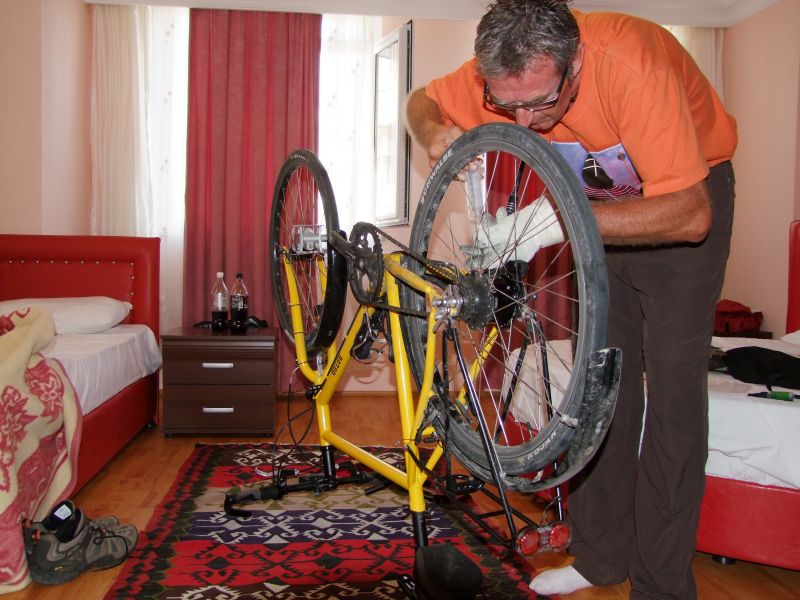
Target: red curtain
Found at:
253, 96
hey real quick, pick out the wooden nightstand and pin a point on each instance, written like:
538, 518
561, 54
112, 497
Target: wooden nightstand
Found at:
219, 382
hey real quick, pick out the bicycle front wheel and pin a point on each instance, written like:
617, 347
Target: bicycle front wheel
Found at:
303, 212
527, 320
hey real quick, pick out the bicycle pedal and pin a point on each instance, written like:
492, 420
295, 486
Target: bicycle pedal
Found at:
379, 484
406, 583
459, 484
348, 466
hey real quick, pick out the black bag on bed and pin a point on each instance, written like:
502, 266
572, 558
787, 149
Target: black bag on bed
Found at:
754, 364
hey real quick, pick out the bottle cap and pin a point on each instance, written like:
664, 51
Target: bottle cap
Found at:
220, 274
238, 275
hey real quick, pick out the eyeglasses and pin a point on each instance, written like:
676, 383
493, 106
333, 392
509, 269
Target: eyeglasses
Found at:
512, 107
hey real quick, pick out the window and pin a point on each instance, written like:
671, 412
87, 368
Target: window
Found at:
392, 84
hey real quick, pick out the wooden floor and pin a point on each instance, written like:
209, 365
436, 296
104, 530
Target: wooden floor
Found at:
134, 483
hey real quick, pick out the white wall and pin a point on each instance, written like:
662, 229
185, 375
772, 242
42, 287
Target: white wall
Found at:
439, 48
762, 79
20, 117
45, 165
66, 72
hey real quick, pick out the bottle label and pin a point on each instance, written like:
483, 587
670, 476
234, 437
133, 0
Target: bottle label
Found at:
238, 302
219, 301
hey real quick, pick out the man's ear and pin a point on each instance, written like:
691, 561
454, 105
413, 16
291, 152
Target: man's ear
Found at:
577, 61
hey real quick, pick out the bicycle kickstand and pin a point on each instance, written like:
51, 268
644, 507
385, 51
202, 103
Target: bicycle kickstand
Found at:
489, 449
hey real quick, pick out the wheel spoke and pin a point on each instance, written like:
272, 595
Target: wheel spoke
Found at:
547, 317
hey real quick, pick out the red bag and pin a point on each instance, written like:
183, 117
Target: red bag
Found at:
733, 317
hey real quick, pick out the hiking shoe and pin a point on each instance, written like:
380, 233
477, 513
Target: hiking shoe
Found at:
63, 515
67, 543
62, 521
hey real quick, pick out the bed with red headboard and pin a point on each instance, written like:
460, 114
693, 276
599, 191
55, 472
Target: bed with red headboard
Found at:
752, 521
124, 268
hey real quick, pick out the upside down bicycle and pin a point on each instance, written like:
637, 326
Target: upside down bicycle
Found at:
500, 361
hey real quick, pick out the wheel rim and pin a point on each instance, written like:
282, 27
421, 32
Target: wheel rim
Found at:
303, 213
546, 322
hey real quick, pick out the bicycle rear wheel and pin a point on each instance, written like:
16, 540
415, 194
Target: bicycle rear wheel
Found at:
536, 321
303, 212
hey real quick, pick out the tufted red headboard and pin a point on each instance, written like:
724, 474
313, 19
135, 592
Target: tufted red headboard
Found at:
793, 309
62, 266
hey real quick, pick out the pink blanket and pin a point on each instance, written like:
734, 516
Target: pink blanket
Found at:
39, 435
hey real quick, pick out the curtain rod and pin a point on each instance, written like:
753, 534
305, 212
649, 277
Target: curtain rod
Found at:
693, 13
450, 10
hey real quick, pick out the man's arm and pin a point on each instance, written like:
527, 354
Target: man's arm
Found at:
426, 124
683, 216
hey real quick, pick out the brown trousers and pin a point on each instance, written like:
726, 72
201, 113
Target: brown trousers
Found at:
634, 512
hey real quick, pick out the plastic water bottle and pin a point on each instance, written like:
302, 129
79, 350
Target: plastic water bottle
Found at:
239, 303
219, 303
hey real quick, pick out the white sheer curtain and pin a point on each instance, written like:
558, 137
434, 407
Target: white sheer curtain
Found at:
346, 108
139, 133
705, 44
122, 202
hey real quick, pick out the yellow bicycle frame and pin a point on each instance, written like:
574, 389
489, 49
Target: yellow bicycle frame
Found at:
411, 412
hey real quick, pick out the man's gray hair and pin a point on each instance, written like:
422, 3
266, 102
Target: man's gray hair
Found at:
515, 33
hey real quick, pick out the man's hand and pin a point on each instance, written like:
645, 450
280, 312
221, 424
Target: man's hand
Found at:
440, 140
515, 236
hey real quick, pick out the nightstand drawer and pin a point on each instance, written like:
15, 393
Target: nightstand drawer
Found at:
221, 367
199, 408
218, 383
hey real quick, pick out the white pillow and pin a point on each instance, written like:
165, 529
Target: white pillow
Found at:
93, 314
792, 338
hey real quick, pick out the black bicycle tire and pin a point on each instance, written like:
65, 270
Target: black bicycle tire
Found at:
332, 310
546, 447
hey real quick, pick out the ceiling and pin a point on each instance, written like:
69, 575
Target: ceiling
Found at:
701, 13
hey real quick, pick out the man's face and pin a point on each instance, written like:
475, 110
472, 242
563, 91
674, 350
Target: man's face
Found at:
537, 99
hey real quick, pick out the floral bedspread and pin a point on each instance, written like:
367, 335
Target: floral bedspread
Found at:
39, 435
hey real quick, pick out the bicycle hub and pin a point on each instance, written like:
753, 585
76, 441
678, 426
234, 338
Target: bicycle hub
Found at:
470, 300
508, 291
308, 238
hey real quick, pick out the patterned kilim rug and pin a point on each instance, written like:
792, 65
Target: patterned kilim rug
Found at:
342, 543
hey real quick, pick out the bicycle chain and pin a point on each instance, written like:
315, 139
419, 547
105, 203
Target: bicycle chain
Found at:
431, 266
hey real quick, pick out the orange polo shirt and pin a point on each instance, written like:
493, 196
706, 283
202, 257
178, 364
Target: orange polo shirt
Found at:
645, 115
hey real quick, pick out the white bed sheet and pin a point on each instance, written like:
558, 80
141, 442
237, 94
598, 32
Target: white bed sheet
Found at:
749, 439
102, 364
752, 439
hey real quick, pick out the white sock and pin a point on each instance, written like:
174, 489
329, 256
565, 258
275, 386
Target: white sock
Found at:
559, 581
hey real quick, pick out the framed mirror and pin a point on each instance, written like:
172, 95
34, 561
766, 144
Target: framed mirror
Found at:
392, 143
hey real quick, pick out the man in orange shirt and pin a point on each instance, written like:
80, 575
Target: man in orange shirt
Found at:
630, 111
